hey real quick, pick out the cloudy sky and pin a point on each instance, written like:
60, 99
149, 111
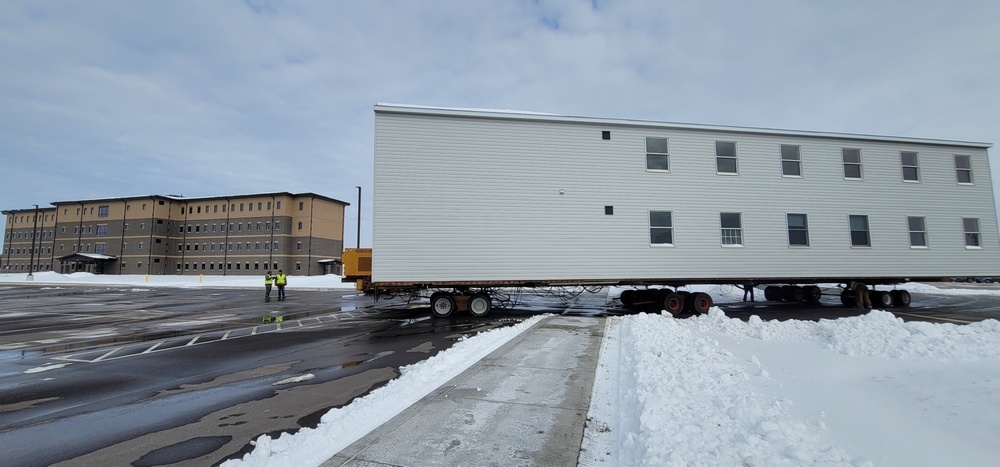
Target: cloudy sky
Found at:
202, 98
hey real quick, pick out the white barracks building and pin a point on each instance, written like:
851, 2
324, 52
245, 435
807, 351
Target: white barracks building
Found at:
480, 195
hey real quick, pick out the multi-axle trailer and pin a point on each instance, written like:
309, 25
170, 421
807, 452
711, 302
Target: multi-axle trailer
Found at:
469, 204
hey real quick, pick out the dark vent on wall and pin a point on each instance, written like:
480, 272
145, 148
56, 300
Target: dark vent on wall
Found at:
609, 210
605, 134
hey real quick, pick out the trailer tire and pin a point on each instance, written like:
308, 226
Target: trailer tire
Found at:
847, 298
812, 293
480, 304
442, 304
772, 293
627, 298
673, 303
901, 298
699, 302
881, 299
792, 293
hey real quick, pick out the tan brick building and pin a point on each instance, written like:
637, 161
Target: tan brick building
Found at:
301, 234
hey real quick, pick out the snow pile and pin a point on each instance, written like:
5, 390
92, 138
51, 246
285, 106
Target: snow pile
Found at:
340, 427
866, 390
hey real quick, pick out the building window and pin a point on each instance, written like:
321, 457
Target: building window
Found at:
102, 230
241, 210
725, 157
300, 225
852, 163
277, 226
298, 266
298, 245
259, 204
102, 211
859, 231
963, 169
798, 230
918, 232
732, 228
278, 204
302, 206
250, 207
268, 205
661, 228
100, 248
657, 154
791, 164
911, 169
971, 227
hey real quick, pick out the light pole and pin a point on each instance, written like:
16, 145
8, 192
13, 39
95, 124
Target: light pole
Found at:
31, 263
359, 217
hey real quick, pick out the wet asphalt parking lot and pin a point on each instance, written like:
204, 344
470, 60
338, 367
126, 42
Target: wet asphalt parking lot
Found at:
97, 375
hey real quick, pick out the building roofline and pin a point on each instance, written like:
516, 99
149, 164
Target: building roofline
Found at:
177, 198
534, 116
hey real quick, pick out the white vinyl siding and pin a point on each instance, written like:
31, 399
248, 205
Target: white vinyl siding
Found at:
482, 196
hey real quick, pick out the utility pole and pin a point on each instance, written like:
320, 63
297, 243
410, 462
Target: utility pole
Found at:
359, 217
31, 264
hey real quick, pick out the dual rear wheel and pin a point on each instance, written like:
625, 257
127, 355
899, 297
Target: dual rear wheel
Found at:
666, 299
444, 304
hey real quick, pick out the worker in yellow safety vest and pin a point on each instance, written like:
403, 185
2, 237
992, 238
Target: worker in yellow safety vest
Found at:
281, 280
268, 282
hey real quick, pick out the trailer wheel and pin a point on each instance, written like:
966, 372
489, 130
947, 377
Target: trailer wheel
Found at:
847, 298
480, 304
901, 297
772, 293
627, 298
442, 304
699, 302
673, 303
881, 299
792, 293
812, 293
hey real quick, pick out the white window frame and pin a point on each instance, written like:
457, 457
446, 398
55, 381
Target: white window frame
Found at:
867, 231
734, 235
975, 235
915, 166
735, 157
788, 229
922, 231
669, 228
859, 163
654, 153
959, 170
797, 161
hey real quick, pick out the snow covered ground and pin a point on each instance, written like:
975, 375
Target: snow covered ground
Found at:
869, 390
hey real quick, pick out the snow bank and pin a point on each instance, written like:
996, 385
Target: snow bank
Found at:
340, 427
866, 390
